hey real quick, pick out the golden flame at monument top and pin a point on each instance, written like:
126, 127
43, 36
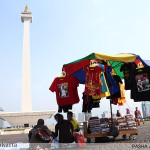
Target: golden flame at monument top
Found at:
26, 9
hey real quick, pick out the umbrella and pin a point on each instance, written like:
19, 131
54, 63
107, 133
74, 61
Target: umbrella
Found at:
116, 61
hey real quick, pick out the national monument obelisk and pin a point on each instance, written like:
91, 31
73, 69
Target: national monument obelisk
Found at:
27, 117
26, 18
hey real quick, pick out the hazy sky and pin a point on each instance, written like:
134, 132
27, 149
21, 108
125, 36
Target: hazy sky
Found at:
63, 31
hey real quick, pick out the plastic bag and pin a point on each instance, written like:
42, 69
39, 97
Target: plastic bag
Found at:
79, 139
55, 143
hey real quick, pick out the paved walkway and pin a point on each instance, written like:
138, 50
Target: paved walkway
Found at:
142, 137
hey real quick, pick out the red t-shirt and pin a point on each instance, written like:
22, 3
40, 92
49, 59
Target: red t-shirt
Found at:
66, 90
92, 82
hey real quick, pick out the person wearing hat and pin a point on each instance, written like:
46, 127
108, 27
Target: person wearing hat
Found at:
127, 111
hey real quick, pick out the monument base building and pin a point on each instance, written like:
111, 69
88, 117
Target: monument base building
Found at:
25, 119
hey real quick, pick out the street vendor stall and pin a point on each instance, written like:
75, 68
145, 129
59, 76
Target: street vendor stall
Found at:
102, 75
132, 133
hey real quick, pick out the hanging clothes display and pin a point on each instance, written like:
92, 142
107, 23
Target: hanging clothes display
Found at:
102, 75
66, 90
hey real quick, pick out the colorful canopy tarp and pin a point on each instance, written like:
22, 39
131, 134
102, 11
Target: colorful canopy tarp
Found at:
116, 61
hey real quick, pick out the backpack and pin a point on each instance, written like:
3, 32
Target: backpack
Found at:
41, 134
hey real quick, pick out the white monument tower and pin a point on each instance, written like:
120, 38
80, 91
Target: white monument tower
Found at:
27, 117
26, 18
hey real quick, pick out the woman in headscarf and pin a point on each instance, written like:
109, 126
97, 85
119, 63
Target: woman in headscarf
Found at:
65, 129
127, 111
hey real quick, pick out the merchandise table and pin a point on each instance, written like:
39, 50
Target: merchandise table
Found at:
133, 133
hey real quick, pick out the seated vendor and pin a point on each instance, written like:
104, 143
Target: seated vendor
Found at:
118, 114
73, 121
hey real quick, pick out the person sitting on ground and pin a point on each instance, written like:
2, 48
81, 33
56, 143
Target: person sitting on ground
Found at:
32, 133
118, 114
73, 121
65, 129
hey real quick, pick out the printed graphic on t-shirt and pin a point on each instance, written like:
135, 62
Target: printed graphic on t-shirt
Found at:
63, 90
95, 62
142, 81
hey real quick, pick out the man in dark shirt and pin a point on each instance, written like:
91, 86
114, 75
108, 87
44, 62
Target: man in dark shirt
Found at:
65, 129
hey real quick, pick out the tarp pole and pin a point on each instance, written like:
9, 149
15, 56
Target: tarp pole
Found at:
111, 111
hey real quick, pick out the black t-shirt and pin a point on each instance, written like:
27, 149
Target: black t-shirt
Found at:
65, 129
117, 79
140, 84
127, 68
87, 103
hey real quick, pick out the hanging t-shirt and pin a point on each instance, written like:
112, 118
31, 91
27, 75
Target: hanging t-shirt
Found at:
103, 81
140, 89
122, 90
109, 85
126, 68
87, 103
122, 99
104, 88
92, 82
113, 87
117, 81
66, 90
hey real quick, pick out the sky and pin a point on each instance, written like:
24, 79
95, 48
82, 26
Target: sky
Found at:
61, 32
